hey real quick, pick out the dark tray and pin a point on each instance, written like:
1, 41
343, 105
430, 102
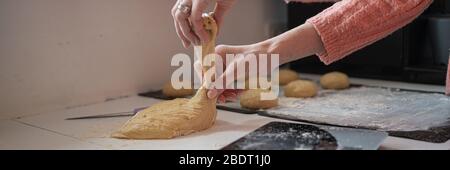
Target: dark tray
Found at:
285, 136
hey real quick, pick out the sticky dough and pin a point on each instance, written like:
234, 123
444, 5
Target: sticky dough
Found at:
300, 89
335, 80
176, 117
251, 99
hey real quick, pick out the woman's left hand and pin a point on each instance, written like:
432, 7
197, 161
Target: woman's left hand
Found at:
187, 16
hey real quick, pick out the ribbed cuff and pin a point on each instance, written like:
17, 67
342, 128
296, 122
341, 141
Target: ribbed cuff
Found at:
329, 40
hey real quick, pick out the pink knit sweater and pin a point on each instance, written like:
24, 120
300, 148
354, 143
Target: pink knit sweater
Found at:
350, 25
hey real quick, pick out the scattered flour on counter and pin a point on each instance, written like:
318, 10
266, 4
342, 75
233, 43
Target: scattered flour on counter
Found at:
378, 108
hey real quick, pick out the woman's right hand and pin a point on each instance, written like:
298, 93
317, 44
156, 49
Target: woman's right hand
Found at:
224, 94
231, 68
189, 24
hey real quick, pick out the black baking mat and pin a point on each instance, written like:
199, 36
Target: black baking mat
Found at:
285, 136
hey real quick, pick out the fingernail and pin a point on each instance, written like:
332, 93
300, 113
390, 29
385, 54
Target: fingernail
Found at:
212, 93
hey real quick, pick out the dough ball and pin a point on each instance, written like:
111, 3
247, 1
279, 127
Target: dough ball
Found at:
287, 76
335, 80
169, 91
300, 89
251, 99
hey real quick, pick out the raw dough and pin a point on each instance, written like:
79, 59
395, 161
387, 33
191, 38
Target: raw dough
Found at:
170, 119
287, 76
169, 91
251, 99
300, 89
335, 80
177, 117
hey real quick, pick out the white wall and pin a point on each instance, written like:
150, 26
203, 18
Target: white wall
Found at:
64, 53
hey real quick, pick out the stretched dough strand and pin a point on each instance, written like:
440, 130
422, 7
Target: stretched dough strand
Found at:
177, 117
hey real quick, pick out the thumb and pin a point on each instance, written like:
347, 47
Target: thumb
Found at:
223, 50
228, 73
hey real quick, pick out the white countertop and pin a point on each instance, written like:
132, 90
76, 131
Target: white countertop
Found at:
52, 131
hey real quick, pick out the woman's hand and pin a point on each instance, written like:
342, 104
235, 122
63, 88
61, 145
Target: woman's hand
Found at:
224, 95
187, 16
292, 45
230, 70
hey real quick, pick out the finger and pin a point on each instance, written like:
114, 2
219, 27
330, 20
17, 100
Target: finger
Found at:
221, 99
230, 70
230, 67
230, 95
223, 50
197, 21
174, 9
184, 40
186, 30
212, 93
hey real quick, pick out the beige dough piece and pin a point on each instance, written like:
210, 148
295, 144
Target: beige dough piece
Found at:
251, 99
300, 89
287, 76
335, 80
176, 117
170, 119
169, 91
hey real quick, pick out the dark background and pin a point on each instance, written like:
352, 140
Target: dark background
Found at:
403, 56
